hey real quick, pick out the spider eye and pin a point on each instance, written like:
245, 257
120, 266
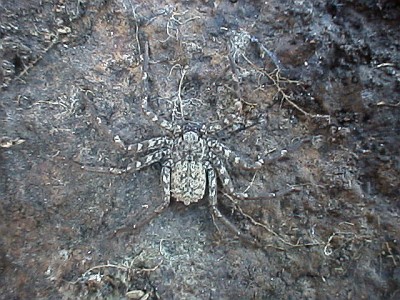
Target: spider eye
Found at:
203, 129
192, 127
178, 129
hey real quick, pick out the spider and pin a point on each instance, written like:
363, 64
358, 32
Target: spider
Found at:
191, 161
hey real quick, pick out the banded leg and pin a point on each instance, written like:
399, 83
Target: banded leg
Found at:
140, 163
148, 113
151, 144
223, 175
235, 76
228, 186
220, 148
212, 194
166, 184
143, 219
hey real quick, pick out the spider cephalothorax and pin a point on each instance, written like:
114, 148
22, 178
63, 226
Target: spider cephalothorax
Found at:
189, 159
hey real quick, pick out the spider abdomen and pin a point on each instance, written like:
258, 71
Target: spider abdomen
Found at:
188, 181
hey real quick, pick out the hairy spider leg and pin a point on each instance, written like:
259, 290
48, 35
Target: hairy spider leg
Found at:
212, 194
219, 148
138, 164
235, 76
224, 176
148, 113
228, 185
150, 144
166, 185
143, 219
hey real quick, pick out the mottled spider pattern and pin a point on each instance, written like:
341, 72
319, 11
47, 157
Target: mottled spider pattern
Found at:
191, 160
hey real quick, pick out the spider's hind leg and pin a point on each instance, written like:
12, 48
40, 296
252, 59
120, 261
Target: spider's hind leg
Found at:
143, 219
219, 148
228, 186
216, 213
224, 176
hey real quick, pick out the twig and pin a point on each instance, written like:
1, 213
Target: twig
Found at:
256, 223
327, 248
126, 268
391, 253
7, 142
235, 78
383, 103
251, 182
277, 80
180, 91
136, 31
173, 24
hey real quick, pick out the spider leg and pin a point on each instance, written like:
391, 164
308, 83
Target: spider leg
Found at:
235, 76
228, 186
223, 174
212, 194
220, 148
150, 144
138, 164
166, 184
148, 113
146, 218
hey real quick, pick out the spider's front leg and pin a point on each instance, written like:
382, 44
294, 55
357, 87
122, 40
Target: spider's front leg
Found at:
138, 164
148, 145
145, 81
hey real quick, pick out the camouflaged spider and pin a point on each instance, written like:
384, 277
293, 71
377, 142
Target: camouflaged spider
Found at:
191, 160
